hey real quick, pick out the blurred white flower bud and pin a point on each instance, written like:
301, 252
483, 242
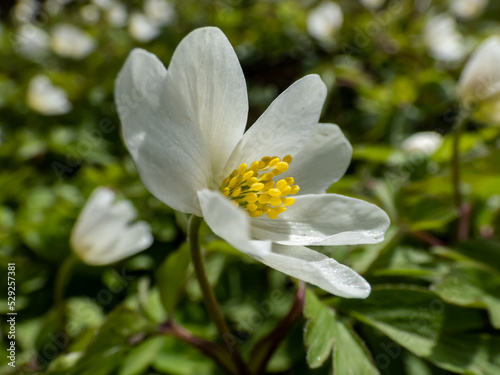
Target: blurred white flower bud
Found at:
90, 13
443, 40
324, 21
47, 99
467, 9
143, 28
117, 14
31, 41
105, 231
160, 11
69, 41
372, 4
426, 143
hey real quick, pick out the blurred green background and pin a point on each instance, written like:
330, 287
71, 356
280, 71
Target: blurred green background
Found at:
390, 72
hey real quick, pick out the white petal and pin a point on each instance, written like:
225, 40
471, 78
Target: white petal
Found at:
317, 269
282, 128
230, 223
324, 219
207, 87
480, 78
132, 239
321, 161
168, 149
97, 205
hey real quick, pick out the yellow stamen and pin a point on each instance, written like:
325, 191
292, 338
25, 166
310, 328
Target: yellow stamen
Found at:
254, 188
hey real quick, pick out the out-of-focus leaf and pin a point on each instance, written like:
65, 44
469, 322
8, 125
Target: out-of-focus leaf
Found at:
421, 322
172, 276
467, 286
429, 212
326, 331
141, 357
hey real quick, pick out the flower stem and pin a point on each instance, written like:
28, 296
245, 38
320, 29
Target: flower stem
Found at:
265, 348
455, 175
455, 161
210, 349
209, 296
62, 278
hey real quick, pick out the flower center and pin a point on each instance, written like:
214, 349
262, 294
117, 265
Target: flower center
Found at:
253, 188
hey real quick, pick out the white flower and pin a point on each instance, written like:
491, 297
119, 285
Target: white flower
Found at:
31, 41
372, 4
46, 98
443, 40
90, 13
325, 20
184, 128
104, 232
426, 143
143, 28
25, 10
480, 78
480, 81
116, 14
160, 11
467, 9
69, 41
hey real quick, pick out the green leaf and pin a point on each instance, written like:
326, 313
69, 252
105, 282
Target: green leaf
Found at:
141, 357
421, 322
111, 343
326, 331
467, 286
320, 330
172, 277
429, 212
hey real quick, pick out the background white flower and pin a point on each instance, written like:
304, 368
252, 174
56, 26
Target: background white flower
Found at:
480, 80
467, 9
187, 136
426, 143
325, 20
443, 40
46, 98
69, 41
372, 4
143, 28
161, 11
105, 231
31, 41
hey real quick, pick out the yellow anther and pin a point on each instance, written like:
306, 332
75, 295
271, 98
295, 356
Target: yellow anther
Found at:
254, 188
256, 213
268, 185
252, 180
248, 174
281, 184
272, 214
251, 207
242, 169
280, 209
234, 181
236, 192
275, 201
255, 165
274, 162
282, 166
251, 197
274, 192
264, 199
267, 177
286, 190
